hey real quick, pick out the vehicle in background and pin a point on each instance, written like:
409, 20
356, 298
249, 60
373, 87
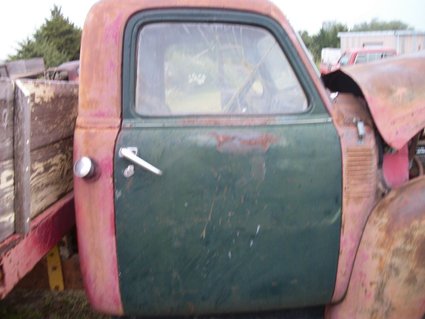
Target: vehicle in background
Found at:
328, 58
365, 55
68, 71
359, 56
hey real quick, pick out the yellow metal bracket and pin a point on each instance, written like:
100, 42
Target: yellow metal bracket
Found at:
54, 269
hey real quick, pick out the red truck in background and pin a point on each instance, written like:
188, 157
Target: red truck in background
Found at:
358, 56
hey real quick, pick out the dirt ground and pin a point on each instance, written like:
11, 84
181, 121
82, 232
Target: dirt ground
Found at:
73, 304
45, 304
33, 299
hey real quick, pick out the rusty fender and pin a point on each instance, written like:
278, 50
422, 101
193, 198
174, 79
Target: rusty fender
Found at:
388, 279
394, 90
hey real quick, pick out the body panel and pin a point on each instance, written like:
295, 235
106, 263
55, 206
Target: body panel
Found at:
388, 278
102, 48
94, 208
98, 120
219, 230
228, 226
394, 91
360, 181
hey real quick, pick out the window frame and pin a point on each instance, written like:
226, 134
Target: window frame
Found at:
315, 105
151, 77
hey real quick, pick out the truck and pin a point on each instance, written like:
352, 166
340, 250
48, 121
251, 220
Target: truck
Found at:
216, 172
328, 58
358, 56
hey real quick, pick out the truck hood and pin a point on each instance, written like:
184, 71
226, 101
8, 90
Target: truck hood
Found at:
394, 90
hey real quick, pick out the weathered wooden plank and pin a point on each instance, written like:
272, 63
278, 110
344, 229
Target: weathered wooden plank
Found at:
51, 174
25, 68
7, 189
37, 124
51, 178
53, 110
21, 154
6, 119
7, 214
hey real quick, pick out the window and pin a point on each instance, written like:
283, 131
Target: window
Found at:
372, 56
360, 58
344, 59
388, 54
213, 68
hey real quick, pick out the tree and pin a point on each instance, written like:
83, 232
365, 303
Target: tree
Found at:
307, 39
57, 41
327, 37
376, 25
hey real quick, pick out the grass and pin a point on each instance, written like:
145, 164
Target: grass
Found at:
44, 304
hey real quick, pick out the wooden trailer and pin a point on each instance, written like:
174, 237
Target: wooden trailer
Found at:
37, 119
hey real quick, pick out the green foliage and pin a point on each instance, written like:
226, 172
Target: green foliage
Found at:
57, 41
307, 39
376, 25
327, 37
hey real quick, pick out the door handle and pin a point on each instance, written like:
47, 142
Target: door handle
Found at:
128, 153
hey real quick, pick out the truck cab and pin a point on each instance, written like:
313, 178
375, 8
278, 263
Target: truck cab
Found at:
214, 173
363, 55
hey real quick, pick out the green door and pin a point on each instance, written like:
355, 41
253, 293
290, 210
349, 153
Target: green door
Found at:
244, 211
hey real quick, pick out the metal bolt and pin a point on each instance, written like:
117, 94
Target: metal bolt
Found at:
129, 171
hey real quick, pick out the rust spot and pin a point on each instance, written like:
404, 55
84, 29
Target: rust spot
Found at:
408, 237
420, 254
226, 121
243, 143
383, 303
349, 108
411, 279
404, 205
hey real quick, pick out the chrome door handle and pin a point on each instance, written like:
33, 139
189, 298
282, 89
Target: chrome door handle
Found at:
128, 153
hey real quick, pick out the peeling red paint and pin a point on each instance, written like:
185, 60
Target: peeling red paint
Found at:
396, 167
229, 121
360, 181
244, 143
112, 31
20, 254
96, 220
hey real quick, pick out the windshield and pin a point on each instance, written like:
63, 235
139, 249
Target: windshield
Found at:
344, 59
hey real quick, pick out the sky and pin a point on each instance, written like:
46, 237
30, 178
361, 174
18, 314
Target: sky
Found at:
20, 18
